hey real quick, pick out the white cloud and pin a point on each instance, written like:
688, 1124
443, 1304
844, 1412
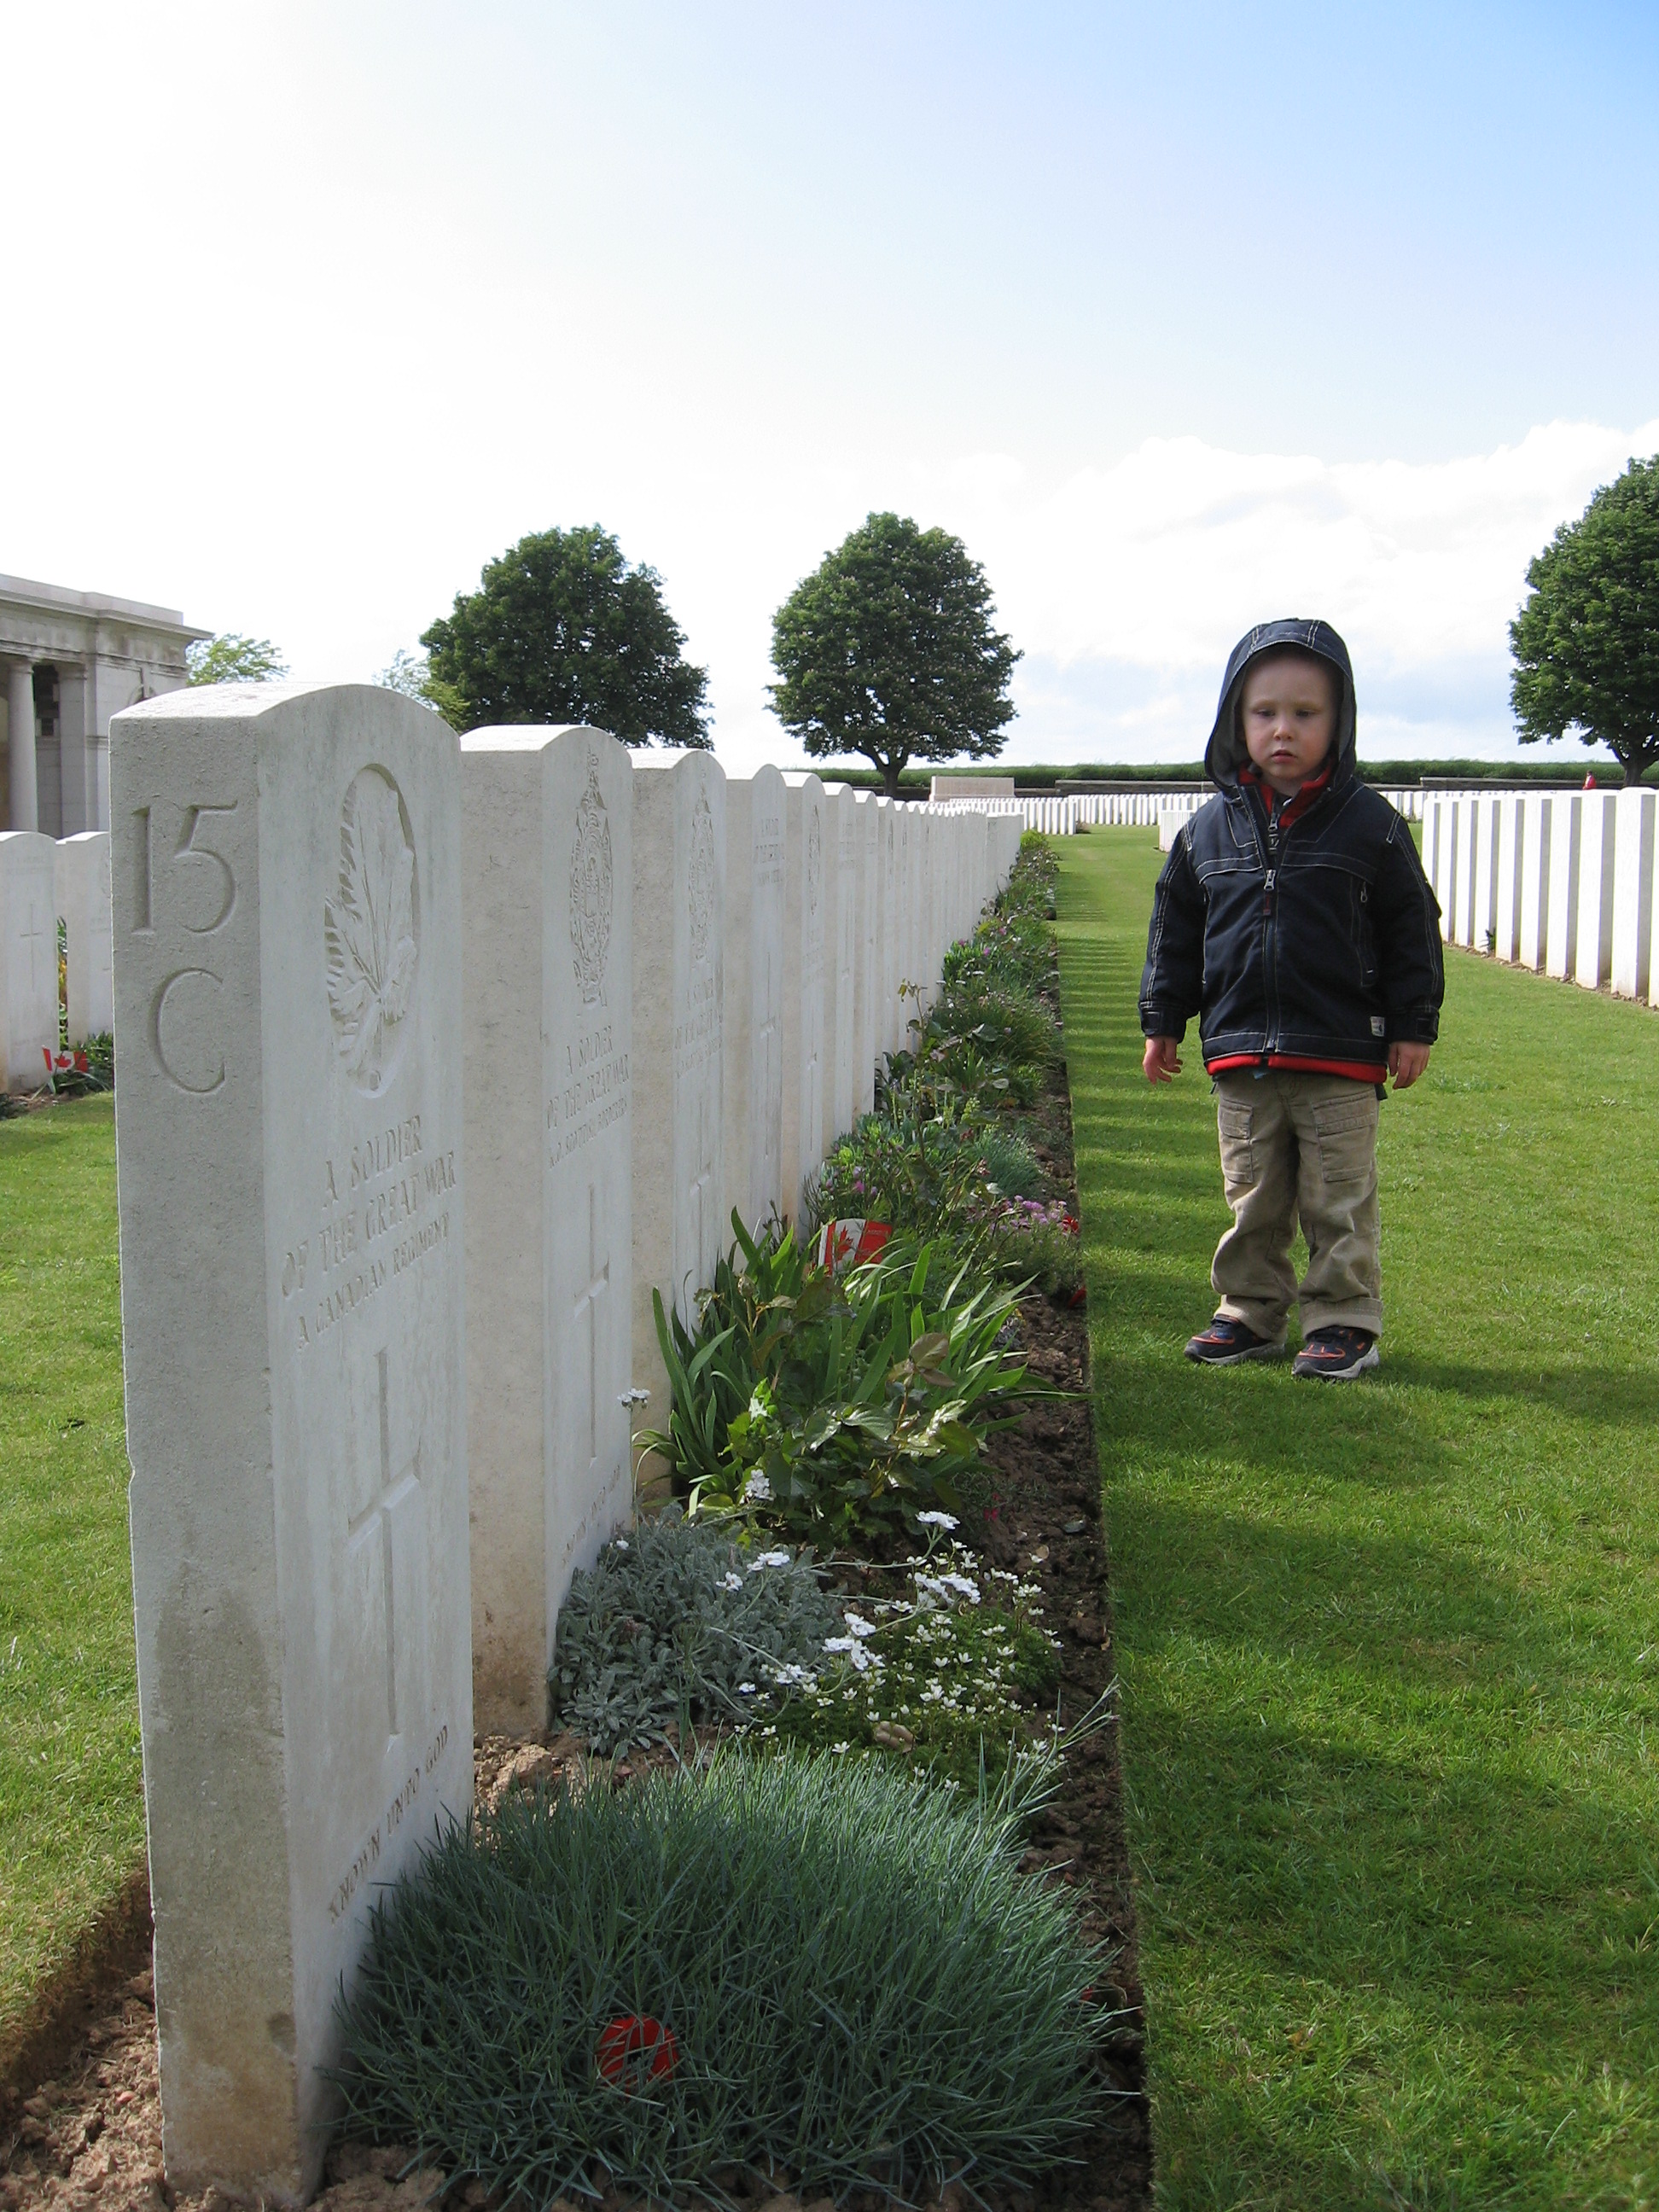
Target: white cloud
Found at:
1126, 586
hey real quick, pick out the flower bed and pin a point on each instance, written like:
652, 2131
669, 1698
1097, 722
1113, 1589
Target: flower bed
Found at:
835, 1617
679, 1629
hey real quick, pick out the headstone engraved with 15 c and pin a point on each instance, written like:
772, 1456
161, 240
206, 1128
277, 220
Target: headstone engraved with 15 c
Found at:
287, 940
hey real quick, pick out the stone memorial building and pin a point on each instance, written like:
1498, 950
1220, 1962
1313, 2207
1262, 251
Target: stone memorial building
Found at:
70, 660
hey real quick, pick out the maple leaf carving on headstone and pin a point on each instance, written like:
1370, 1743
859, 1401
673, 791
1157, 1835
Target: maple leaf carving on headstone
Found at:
369, 929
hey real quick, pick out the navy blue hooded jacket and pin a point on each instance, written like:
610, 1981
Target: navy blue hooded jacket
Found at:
1316, 943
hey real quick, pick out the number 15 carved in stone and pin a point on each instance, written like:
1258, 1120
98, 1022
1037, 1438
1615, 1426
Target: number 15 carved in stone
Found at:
190, 889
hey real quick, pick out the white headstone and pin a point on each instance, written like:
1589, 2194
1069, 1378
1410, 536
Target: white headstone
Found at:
680, 1225
866, 950
904, 823
1598, 823
287, 996
28, 958
754, 996
1443, 831
1561, 949
928, 902
1632, 910
885, 919
1508, 872
547, 856
1484, 922
804, 1044
984, 887
1536, 830
839, 991
915, 947
83, 885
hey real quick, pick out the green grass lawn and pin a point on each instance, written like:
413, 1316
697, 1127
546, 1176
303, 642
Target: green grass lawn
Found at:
71, 1807
1390, 1651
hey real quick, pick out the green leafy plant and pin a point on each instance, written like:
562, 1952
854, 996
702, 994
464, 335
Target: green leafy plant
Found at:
913, 1174
866, 1390
677, 1625
945, 1673
682, 1624
1025, 1240
837, 1974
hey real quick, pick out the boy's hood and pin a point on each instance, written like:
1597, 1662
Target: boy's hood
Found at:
1225, 753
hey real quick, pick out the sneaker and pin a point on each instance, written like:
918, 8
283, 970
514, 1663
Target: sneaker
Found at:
1337, 1355
1225, 1343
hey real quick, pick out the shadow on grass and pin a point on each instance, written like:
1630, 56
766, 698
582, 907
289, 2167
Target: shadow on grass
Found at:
1606, 1396
1392, 1614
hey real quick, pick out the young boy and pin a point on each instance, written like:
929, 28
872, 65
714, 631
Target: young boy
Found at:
1294, 919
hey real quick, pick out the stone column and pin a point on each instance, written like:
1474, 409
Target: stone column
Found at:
25, 803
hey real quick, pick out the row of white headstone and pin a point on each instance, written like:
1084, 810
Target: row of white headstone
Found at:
1560, 882
437, 1058
1163, 808
43, 881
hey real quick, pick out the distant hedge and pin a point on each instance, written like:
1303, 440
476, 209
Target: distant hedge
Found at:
1570, 774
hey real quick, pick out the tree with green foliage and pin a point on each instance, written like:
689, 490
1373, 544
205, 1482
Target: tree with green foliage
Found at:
230, 658
411, 674
887, 650
561, 629
1586, 643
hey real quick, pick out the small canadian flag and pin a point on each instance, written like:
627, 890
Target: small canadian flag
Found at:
850, 1243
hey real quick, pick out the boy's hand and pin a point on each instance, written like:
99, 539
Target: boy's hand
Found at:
1162, 1060
1406, 1062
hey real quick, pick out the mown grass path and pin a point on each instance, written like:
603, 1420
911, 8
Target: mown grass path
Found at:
1390, 1652
71, 1804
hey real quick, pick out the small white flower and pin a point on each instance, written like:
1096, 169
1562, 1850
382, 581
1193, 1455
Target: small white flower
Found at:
858, 1625
791, 1675
633, 1397
768, 1559
938, 1520
938, 1590
732, 1581
838, 1643
619, 1543
745, 1689
757, 1491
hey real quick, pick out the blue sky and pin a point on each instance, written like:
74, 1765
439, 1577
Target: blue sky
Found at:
1180, 316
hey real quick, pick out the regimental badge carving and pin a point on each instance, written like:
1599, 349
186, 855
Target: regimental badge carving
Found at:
702, 878
591, 890
371, 929
814, 862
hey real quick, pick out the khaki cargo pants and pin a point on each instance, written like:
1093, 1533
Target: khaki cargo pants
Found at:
1299, 1146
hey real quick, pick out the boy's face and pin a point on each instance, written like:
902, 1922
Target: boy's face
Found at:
1288, 710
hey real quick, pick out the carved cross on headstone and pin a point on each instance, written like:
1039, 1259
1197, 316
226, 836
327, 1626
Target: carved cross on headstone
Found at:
35, 938
378, 1523
768, 1038
812, 1111
702, 1183
598, 1282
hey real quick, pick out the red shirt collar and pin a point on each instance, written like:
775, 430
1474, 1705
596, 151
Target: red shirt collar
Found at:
1290, 809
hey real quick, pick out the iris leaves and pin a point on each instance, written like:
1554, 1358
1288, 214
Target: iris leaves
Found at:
840, 1404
